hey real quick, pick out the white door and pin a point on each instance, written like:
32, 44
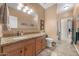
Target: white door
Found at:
64, 29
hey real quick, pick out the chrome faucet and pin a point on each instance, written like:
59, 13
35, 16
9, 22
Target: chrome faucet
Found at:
19, 33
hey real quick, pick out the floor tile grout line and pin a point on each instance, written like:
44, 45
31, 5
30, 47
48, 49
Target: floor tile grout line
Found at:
76, 49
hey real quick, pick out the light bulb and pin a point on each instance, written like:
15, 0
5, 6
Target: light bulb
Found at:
20, 6
25, 9
30, 11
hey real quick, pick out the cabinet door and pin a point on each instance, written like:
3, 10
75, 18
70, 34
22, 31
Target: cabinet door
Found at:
29, 49
15, 49
43, 43
38, 45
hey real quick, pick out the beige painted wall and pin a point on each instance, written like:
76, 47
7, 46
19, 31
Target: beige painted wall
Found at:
76, 10
51, 18
75, 14
51, 21
67, 14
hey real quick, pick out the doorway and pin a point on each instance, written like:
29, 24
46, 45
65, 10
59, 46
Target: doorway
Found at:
66, 29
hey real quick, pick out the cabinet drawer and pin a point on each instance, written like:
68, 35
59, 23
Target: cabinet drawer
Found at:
29, 50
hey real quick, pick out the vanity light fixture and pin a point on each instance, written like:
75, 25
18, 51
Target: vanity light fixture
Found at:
66, 7
20, 6
30, 11
25, 9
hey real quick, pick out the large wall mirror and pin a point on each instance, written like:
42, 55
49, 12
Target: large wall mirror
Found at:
21, 17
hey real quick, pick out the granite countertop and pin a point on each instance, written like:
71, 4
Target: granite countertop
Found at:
13, 39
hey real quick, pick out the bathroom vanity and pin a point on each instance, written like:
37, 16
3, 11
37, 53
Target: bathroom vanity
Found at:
21, 31
28, 45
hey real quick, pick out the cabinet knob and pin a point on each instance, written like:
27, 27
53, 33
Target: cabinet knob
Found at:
20, 51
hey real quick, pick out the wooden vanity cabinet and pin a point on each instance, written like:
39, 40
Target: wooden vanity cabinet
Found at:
27, 47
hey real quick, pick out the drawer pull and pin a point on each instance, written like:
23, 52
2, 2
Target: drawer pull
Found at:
21, 51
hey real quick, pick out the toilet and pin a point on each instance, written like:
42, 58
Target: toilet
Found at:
49, 42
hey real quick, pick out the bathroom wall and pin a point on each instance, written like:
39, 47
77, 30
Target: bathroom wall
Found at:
51, 21
2, 19
64, 23
1, 13
67, 14
76, 16
51, 18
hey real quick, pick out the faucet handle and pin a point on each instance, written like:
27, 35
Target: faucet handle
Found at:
21, 33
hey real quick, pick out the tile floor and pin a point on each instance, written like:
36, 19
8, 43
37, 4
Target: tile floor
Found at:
63, 48
77, 47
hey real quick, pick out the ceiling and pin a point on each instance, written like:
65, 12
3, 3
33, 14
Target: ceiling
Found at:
60, 6
64, 7
46, 5
12, 5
